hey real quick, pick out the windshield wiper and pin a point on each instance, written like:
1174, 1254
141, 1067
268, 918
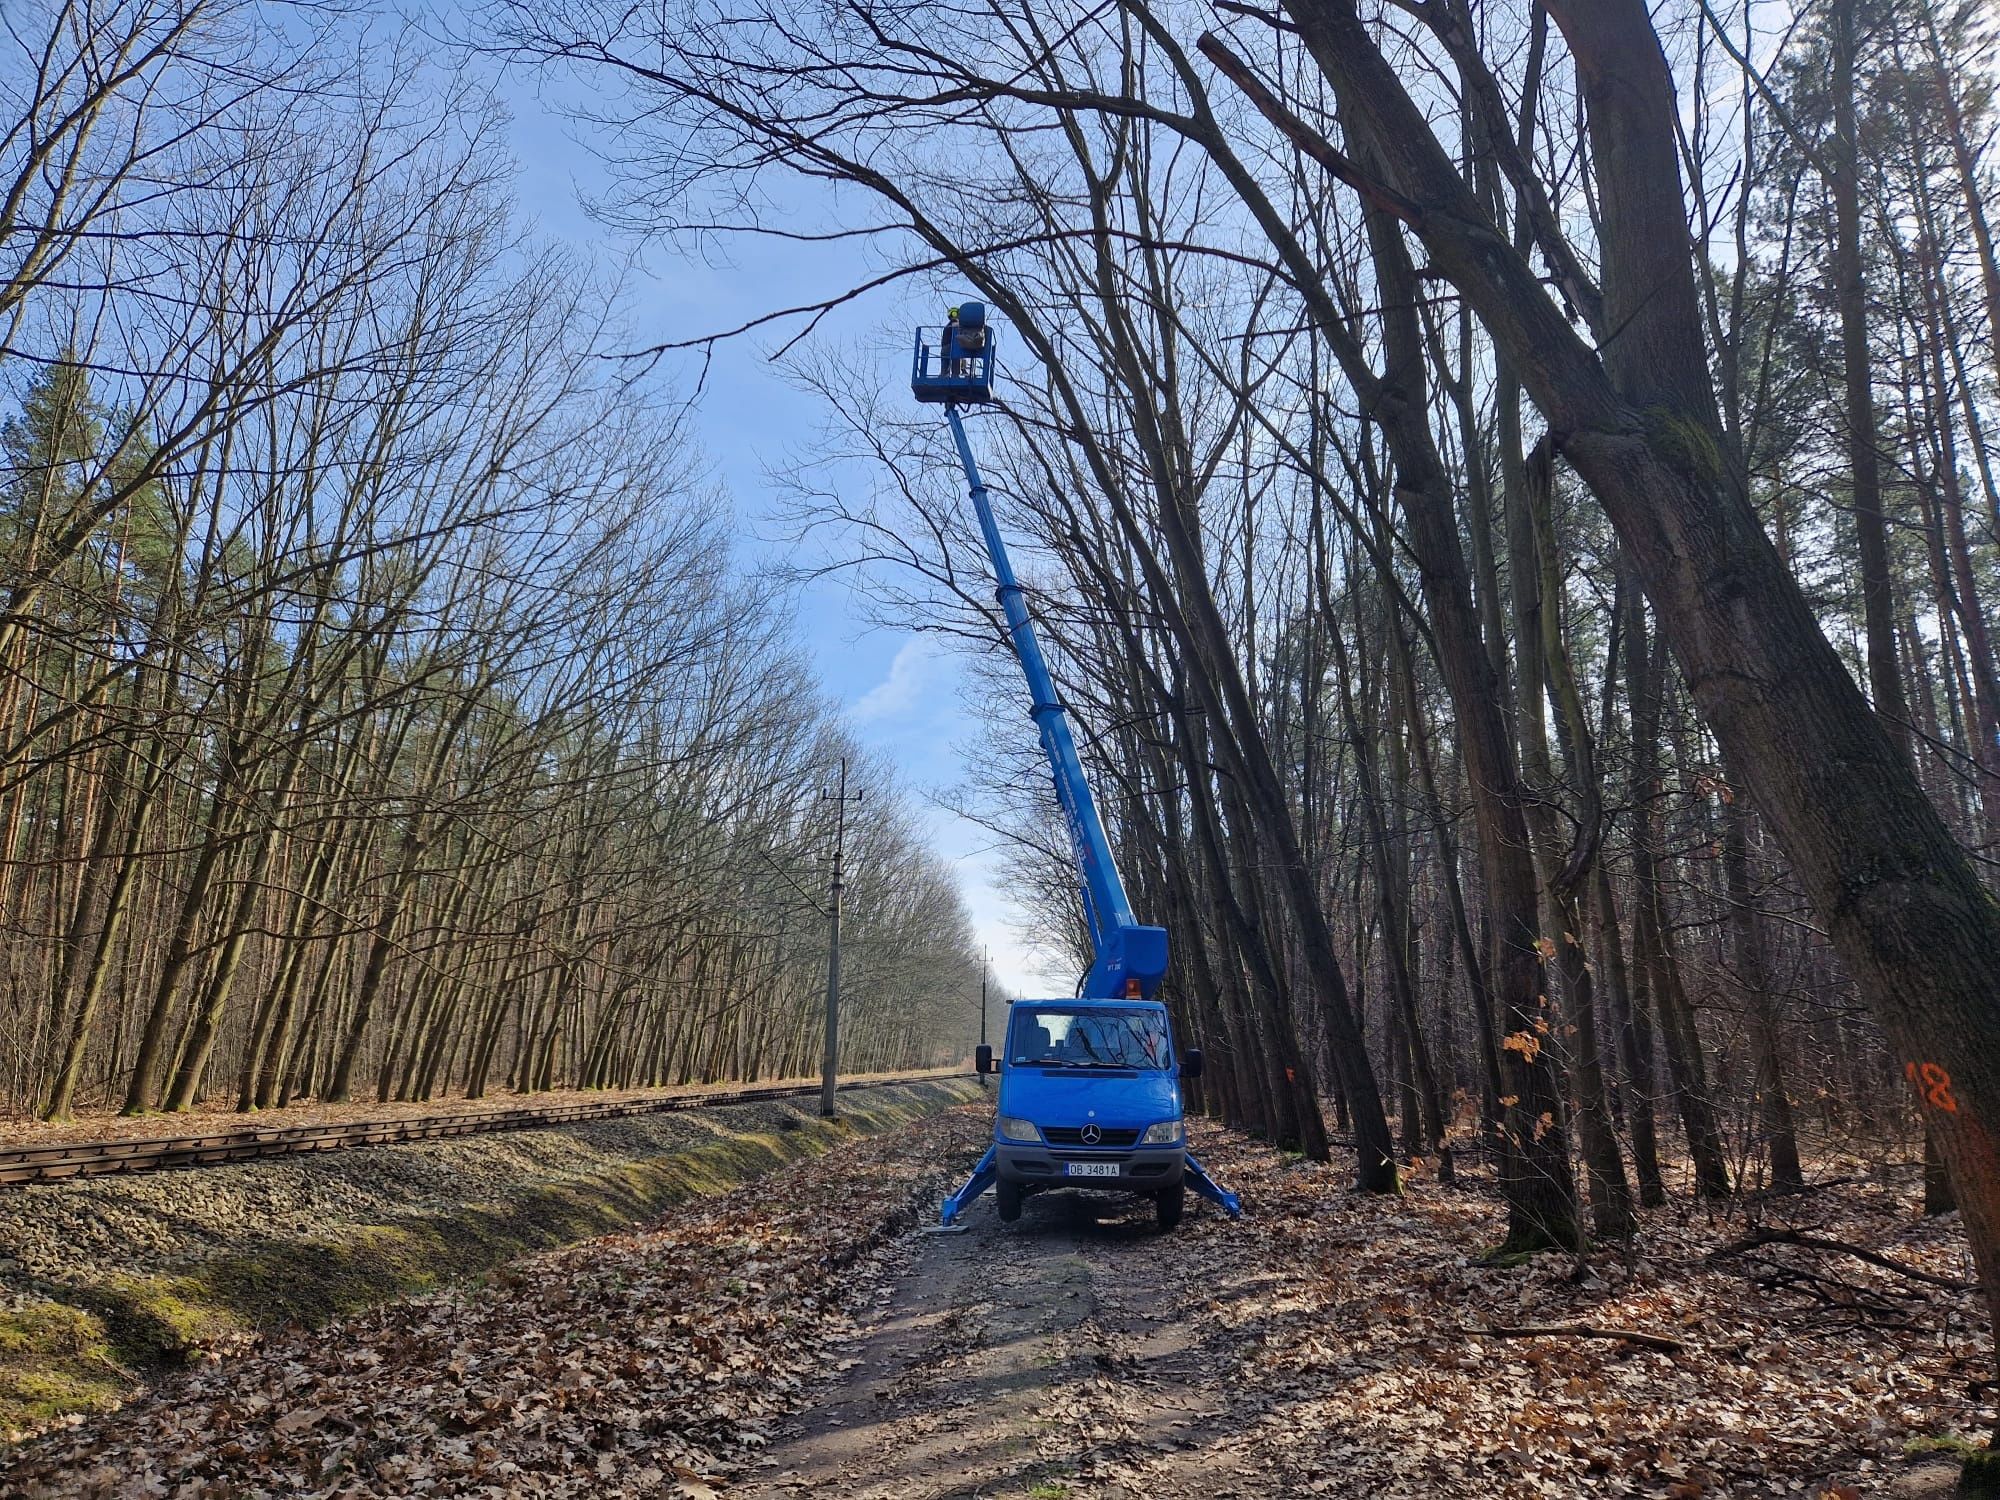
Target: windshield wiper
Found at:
1070, 1062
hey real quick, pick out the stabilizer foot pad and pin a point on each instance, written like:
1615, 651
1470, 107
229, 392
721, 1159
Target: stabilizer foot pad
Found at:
983, 1177
1209, 1188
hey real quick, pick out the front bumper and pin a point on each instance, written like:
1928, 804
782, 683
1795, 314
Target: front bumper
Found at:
1141, 1169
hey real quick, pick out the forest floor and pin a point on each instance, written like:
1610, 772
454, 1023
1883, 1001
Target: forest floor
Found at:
103, 1122
798, 1337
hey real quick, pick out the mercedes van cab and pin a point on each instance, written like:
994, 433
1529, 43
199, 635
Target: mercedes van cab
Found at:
1090, 1098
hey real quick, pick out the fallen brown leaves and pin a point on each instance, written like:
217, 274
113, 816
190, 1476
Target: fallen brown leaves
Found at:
649, 1363
1362, 1341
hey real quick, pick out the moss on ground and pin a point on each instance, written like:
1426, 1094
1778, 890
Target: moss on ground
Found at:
53, 1360
99, 1342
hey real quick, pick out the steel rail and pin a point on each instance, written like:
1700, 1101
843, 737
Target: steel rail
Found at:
21, 1165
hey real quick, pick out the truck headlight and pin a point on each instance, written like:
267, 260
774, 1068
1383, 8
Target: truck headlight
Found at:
1012, 1129
1166, 1133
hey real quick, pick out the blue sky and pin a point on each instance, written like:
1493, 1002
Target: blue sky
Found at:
901, 692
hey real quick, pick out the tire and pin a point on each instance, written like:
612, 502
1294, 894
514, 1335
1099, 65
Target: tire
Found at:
1007, 1198
1169, 1205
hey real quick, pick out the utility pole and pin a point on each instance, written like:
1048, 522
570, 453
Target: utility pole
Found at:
985, 959
829, 1066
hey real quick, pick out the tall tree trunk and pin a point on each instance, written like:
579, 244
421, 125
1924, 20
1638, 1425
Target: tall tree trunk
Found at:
97, 966
1539, 1181
1864, 460
1653, 949
217, 832
1569, 869
1753, 977
1624, 989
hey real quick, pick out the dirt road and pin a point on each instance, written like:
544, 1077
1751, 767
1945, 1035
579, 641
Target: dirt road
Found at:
1045, 1358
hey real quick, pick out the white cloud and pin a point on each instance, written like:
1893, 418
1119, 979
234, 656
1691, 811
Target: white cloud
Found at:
1025, 971
1024, 966
913, 678
913, 715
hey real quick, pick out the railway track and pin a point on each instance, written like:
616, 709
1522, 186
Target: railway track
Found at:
20, 1165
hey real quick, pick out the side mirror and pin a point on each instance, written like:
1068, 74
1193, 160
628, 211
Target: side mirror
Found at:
1191, 1063
982, 1060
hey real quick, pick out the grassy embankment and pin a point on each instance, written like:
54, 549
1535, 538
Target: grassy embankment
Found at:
83, 1347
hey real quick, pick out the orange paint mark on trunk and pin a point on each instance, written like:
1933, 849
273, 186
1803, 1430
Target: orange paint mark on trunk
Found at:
1933, 1084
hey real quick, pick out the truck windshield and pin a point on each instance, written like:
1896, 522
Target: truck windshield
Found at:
1051, 1036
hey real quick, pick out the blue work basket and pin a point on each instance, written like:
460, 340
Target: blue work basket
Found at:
953, 365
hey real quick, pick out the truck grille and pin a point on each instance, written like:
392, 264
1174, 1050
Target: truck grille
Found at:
1069, 1135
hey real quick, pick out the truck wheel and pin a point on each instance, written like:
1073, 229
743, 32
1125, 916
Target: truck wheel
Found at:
1007, 1198
1170, 1204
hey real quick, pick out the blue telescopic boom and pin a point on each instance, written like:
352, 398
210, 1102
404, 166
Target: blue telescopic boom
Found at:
1129, 957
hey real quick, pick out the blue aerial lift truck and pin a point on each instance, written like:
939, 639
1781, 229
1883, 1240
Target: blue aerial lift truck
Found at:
1090, 1092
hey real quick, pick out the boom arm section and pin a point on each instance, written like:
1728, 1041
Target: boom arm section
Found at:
1128, 958
1126, 952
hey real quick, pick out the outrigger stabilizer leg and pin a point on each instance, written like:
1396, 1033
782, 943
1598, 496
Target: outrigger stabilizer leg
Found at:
983, 1177
986, 1174
1198, 1179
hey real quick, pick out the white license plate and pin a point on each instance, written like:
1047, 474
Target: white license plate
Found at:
1090, 1169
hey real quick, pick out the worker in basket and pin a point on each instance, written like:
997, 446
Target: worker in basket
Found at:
964, 339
